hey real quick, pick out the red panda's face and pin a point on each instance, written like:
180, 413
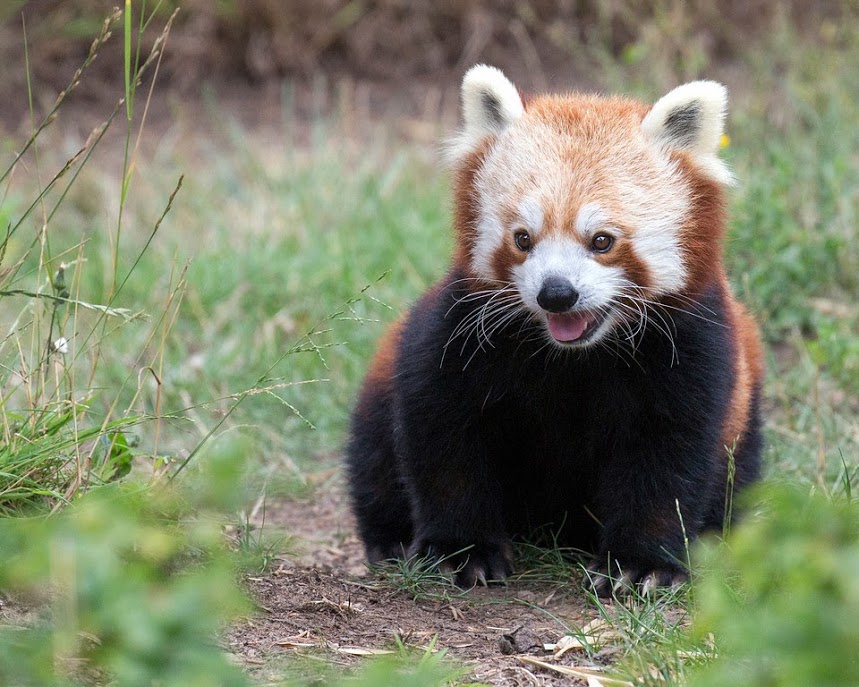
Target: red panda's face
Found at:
580, 204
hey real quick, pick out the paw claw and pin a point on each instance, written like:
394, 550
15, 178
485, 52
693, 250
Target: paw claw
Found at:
624, 582
646, 581
600, 583
649, 585
470, 565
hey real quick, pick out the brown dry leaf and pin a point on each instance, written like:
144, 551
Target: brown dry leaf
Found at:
426, 648
595, 682
599, 631
581, 673
290, 644
362, 651
594, 634
564, 644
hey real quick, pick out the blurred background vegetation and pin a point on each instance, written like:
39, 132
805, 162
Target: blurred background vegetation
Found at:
398, 48
203, 274
397, 39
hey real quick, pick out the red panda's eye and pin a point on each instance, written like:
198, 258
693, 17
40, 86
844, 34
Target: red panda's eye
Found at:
601, 243
523, 241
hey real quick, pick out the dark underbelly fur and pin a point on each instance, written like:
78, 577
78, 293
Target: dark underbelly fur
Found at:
592, 449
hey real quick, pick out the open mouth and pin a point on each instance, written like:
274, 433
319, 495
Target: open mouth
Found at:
574, 327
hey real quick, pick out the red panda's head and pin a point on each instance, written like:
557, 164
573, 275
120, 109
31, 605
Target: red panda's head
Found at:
586, 207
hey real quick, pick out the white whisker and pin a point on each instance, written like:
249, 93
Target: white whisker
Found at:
489, 311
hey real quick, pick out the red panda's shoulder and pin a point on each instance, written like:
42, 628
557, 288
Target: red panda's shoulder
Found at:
748, 364
381, 371
382, 368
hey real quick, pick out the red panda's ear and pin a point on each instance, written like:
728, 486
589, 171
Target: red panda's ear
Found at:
692, 118
490, 103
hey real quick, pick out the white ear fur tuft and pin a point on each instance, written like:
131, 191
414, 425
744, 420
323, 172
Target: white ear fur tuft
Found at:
490, 103
692, 117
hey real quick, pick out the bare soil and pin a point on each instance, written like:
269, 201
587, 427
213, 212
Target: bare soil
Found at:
323, 602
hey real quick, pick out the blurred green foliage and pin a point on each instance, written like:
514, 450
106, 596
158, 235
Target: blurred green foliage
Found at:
263, 39
794, 218
781, 596
130, 586
836, 347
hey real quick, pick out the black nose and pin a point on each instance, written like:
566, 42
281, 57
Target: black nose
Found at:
557, 295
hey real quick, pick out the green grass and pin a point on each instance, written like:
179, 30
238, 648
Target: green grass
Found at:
131, 580
277, 246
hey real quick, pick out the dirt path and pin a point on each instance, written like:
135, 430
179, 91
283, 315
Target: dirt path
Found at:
323, 602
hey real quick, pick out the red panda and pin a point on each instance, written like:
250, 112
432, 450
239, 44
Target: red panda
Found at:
583, 367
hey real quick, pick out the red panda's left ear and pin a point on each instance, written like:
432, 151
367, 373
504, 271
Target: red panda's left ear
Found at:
692, 118
490, 103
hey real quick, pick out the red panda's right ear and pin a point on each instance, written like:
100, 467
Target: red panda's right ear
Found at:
490, 103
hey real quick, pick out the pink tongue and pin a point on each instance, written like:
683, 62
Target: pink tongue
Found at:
567, 326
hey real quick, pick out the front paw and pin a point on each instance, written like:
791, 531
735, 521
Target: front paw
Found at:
619, 579
470, 564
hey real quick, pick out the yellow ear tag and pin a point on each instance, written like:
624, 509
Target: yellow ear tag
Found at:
725, 141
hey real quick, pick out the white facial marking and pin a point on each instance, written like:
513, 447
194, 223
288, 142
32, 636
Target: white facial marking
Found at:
490, 235
590, 218
531, 215
518, 154
658, 221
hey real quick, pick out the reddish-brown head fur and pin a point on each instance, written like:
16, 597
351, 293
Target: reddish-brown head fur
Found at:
616, 200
